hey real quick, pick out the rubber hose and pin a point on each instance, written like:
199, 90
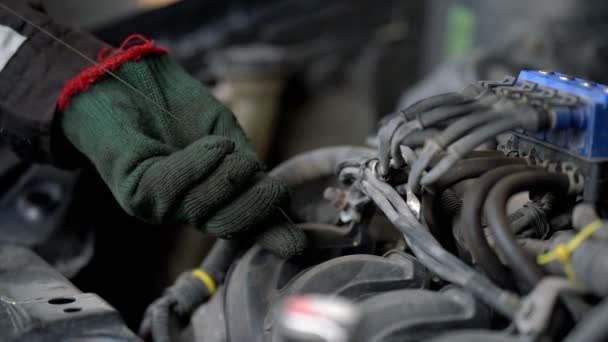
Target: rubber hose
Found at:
219, 259
466, 144
451, 203
531, 120
430, 253
426, 120
437, 115
395, 148
436, 222
496, 213
385, 136
417, 139
483, 154
464, 169
473, 168
436, 144
386, 133
473, 232
317, 163
464, 125
432, 102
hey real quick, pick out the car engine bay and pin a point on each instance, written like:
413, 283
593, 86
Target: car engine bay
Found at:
476, 214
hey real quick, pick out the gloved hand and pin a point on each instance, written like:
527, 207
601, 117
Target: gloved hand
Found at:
190, 163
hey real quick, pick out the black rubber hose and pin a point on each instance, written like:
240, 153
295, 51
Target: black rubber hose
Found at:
428, 250
492, 158
432, 102
437, 222
429, 119
473, 168
473, 232
219, 259
479, 154
464, 169
531, 120
388, 130
451, 203
496, 213
317, 163
593, 327
436, 144
466, 144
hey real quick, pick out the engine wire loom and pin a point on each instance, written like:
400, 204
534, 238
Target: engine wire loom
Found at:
514, 266
537, 107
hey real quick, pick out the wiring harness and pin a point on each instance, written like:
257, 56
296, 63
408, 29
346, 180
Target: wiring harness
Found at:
471, 167
486, 196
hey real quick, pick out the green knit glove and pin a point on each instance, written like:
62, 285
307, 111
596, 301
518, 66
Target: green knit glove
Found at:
192, 164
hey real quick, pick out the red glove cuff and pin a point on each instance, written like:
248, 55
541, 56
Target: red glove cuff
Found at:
131, 50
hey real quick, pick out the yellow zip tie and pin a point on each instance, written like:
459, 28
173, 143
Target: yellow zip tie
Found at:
562, 252
206, 279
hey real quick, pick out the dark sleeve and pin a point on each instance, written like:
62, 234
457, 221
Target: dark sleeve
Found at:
33, 70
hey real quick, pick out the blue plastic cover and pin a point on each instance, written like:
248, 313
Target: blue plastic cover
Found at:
580, 110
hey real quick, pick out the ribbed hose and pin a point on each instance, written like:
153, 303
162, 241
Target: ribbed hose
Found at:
496, 213
464, 169
451, 203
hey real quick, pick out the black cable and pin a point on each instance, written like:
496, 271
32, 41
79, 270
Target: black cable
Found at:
473, 232
187, 293
430, 118
432, 102
464, 169
474, 167
481, 154
386, 132
220, 257
428, 250
496, 214
529, 119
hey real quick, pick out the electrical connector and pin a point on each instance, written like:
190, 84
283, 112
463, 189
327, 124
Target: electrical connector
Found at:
578, 108
578, 134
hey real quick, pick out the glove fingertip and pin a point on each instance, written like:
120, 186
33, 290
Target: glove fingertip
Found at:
283, 240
